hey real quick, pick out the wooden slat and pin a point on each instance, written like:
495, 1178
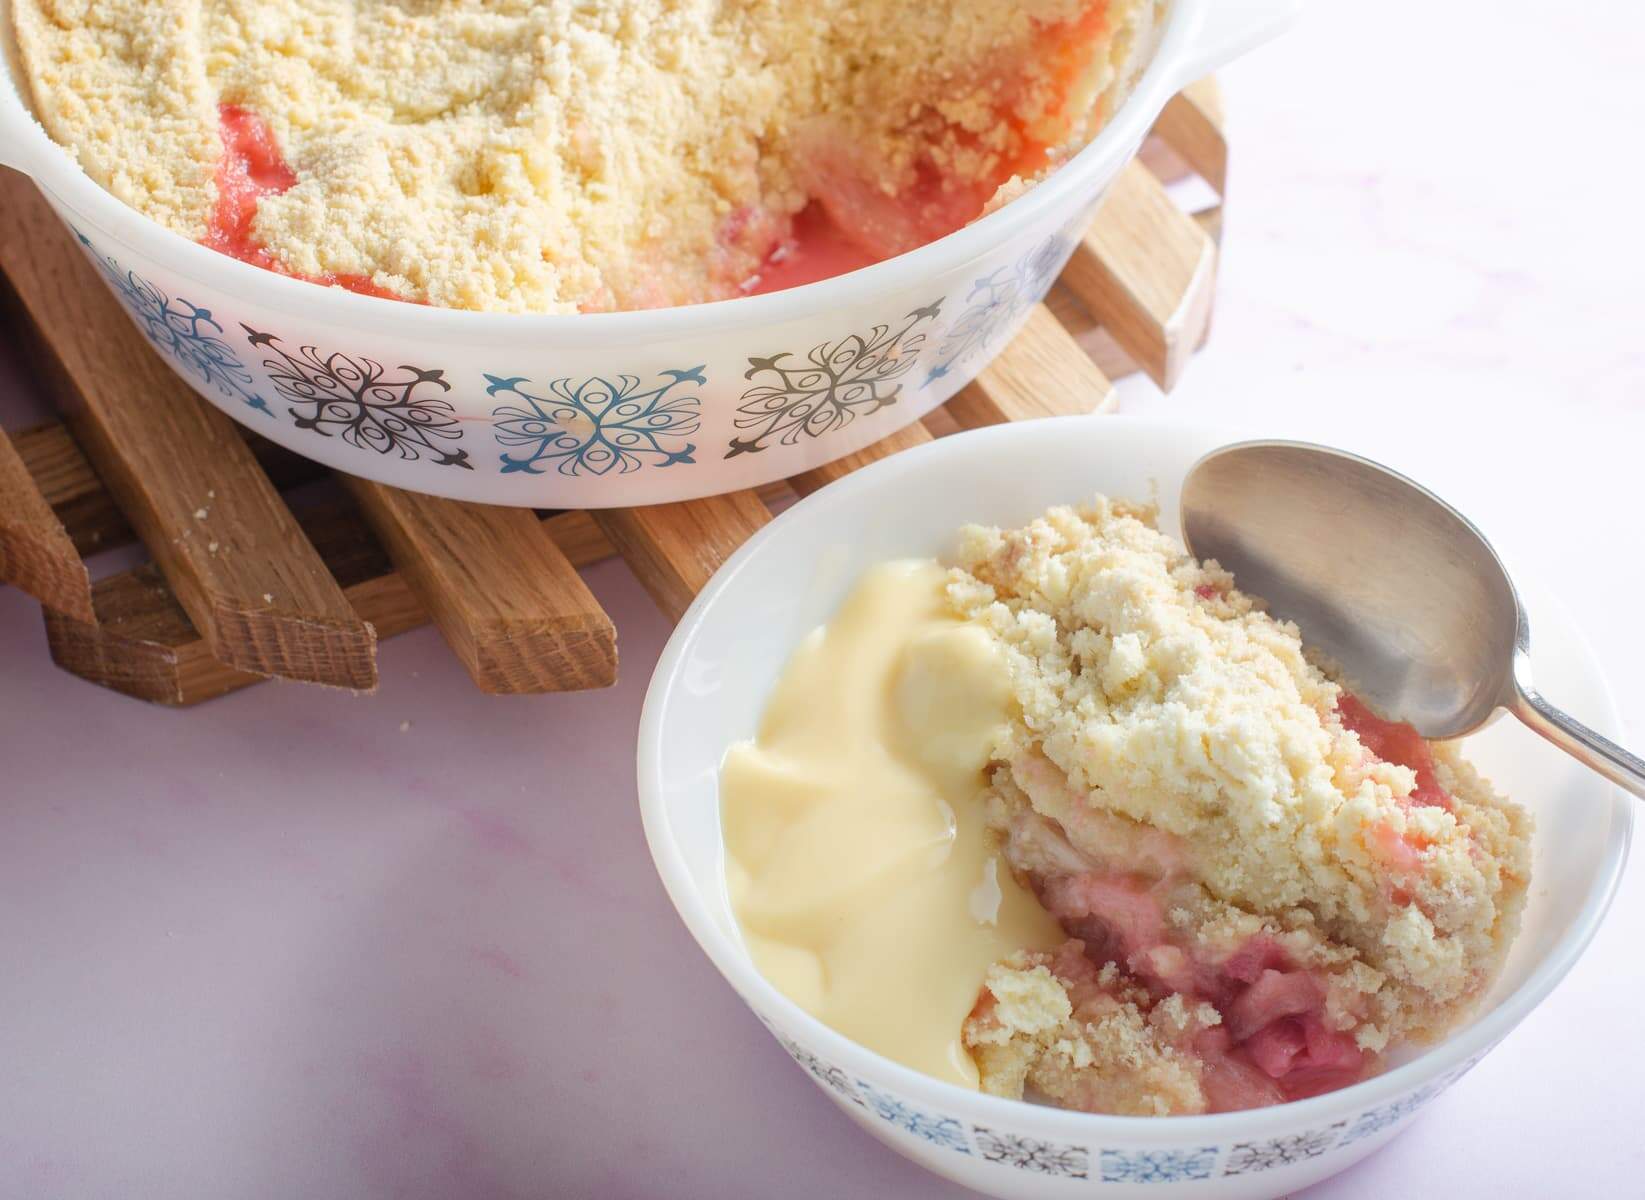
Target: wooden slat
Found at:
35, 551
1146, 271
506, 600
1163, 162
141, 644
1192, 125
582, 541
674, 548
228, 546
94, 521
1098, 344
144, 645
68, 484
1043, 372
1210, 220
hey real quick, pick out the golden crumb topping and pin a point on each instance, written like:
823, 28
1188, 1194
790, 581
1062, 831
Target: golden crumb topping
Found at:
556, 155
1108, 1054
1166, 723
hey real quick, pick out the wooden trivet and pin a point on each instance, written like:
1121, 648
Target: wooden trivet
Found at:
248, 581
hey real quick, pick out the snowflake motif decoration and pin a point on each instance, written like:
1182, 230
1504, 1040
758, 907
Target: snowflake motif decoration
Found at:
1031, 1154
355, 399
996, 300
181, 330
1378, 1119
835, 383
939, 1131
596, 426
825, 1073
1157, 1166
1247, 1157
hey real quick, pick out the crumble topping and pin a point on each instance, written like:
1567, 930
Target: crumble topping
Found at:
1081, 1036
564, 155
1220, 825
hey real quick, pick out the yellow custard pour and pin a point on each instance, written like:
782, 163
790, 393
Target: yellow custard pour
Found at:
867, 886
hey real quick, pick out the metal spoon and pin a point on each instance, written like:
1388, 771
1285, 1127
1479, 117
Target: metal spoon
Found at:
1390, 582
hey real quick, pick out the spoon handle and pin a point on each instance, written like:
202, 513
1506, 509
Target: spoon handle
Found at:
1625, 770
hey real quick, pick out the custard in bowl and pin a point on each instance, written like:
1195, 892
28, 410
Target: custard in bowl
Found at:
573, 207
1210, 923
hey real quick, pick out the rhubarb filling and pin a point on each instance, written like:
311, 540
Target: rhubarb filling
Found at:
564, 157
250, 168
850, 219
811, 246
1266, 886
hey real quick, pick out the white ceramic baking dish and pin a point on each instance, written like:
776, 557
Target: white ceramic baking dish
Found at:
607, 409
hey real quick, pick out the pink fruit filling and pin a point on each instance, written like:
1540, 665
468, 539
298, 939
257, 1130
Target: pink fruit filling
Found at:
852, 218
810, 247
816, 248
1395, 743
253, 167
1280, 1037
1265, 886
1274, 1043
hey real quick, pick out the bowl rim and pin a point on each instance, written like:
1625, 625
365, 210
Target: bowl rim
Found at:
54, 170
738, 970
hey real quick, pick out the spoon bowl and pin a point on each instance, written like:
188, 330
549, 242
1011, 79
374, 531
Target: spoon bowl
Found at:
1398, 590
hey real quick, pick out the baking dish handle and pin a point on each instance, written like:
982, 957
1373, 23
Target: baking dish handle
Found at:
1228, 28
17, 129
11, 155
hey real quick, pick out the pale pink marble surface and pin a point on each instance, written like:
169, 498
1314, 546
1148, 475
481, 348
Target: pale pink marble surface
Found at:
279, 946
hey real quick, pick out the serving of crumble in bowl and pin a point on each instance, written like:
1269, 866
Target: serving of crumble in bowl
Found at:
1283, 1013
520, 253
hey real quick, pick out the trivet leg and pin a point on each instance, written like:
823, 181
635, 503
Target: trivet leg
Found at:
35, 551
505, 598
229, 547
674, 548
1041, 373
1146, 271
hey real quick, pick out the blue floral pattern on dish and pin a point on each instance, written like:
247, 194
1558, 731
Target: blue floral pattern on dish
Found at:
1157, 1166
997, 299
825, 1073
1388, 1115
595, 426
832, 385
181, 330
1025, 1153
938, 1130
1247, 1157
357, 399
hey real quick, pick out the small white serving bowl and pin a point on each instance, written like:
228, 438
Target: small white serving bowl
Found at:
607, 409
712, 682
